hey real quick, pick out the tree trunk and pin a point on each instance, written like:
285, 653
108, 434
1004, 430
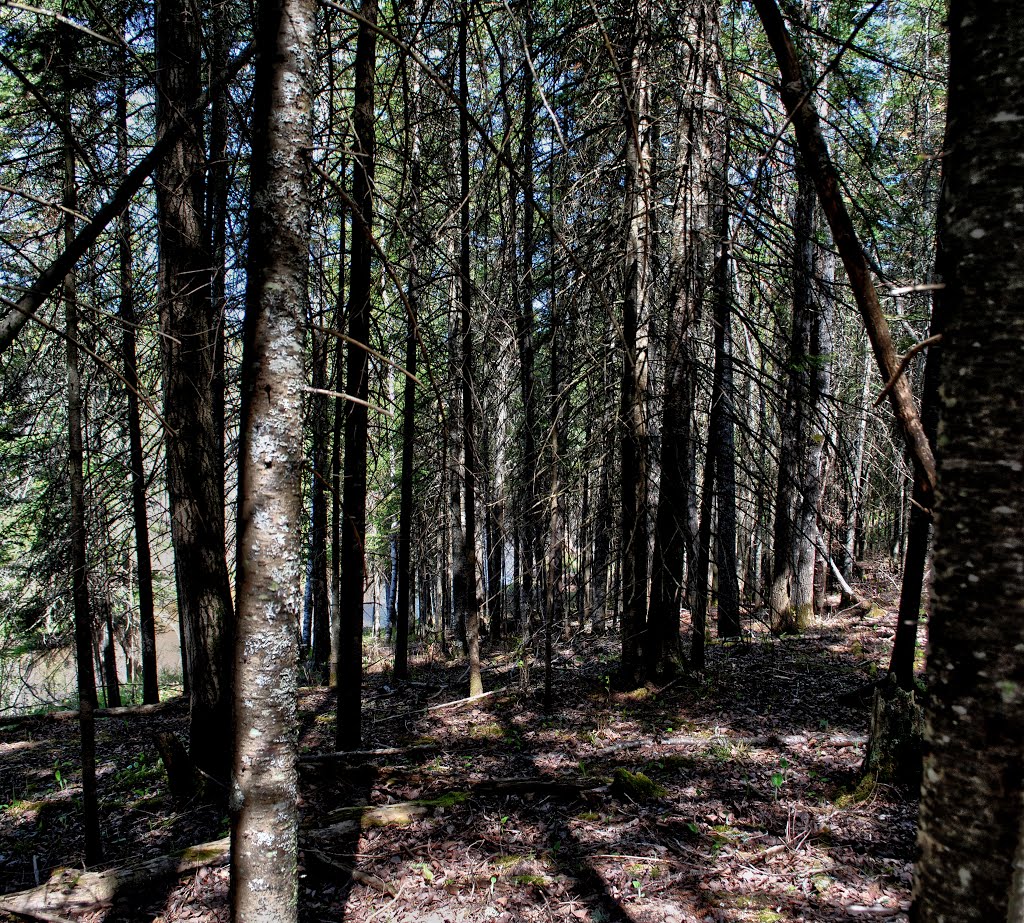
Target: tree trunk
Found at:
470, 473
690, 261
972, 801
530, 517
320, 472
728, 624
722, 420
405, 571
635, 320
264, 782
140, 519
353, 530
195, 476
87, 701
792, 592
702, 577
904, 648
336, 473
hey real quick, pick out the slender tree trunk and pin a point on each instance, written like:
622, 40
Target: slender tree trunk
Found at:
972, 799
904, 648
603, 528
470, 473
264, 782
106, 605
336, 472
856, 511
320, 472
218, 188
702, 575
195, 476
353, 532
79, 563
725, 460
530, 517
405, 572
404, 605
635, 319
792, 590
556, 525
129, 320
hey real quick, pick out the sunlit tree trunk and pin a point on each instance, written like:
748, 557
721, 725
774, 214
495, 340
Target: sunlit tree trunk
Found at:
264, 780
799, 483
319, 473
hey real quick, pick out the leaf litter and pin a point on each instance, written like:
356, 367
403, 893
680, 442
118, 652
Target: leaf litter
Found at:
754, 810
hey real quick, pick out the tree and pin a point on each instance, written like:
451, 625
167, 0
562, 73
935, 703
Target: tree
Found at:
357, 385
87, 700
195, 477
972, 799
691, 262
470, 603
636, 316
129, 319
264, 778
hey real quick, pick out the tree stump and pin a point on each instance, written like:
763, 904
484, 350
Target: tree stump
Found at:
894, 748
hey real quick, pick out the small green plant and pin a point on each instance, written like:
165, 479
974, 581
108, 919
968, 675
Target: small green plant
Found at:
62, 782
140, 774
779, 777
636, 883
424, 869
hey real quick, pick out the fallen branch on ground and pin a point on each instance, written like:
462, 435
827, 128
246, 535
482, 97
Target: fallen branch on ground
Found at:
74, 891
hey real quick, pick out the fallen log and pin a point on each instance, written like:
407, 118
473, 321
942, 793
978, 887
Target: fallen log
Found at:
71, 891
75, 891
126, 711
351, 756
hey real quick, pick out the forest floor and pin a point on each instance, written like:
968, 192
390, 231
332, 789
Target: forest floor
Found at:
754, 811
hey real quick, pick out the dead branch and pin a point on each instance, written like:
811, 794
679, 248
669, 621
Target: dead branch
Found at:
799, 104
904, 362
74, 891
352, 756
364, 878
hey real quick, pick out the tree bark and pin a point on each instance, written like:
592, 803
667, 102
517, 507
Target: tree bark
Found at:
320, 647
195, 475
129, 320
87, 700
264, 779
792, 592
470, 473
525, 323
690, 262
353, 530
635, 320
972, 800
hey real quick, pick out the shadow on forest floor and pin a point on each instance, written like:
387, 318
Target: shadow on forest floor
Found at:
752, 812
